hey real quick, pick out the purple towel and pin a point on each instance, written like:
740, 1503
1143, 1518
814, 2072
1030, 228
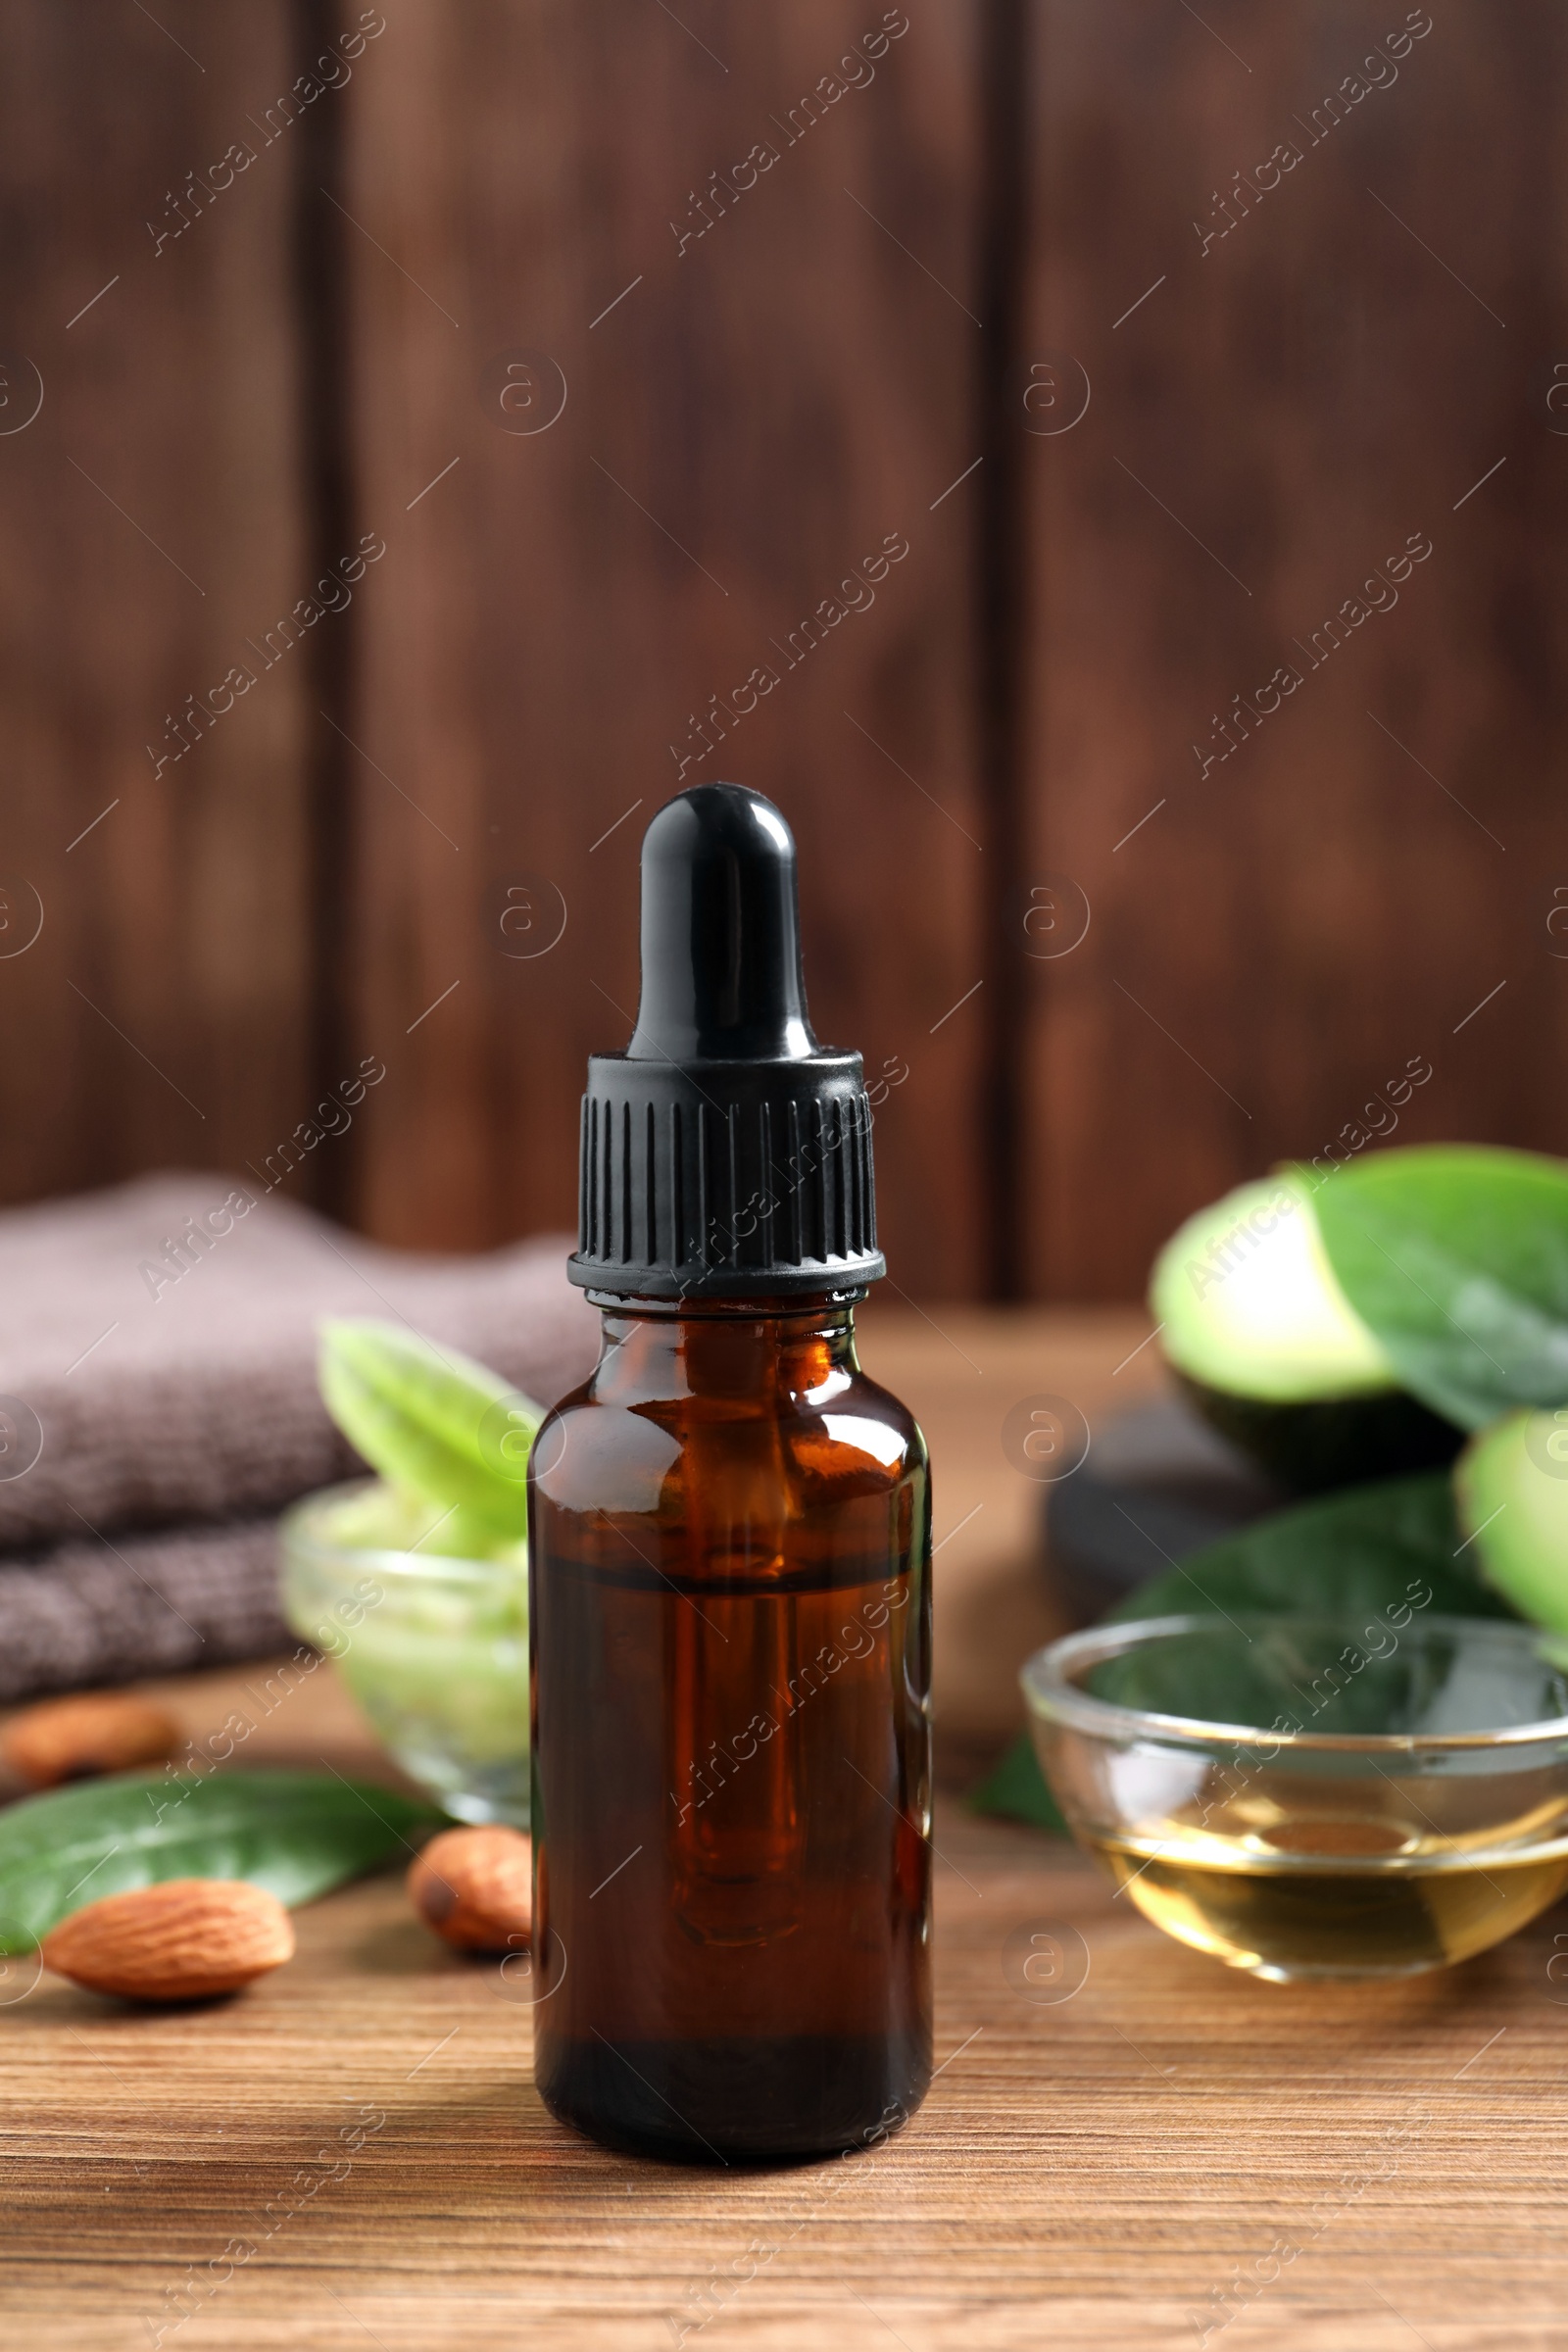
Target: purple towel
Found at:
157, 1403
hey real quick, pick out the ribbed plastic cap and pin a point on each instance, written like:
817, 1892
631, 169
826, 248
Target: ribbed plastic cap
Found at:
725, 1154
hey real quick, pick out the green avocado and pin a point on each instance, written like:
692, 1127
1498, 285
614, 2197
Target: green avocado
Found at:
1264, 1342
1511, 1484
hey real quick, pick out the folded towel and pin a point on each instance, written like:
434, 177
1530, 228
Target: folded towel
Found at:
157, 1406
102, 1612
158, 1347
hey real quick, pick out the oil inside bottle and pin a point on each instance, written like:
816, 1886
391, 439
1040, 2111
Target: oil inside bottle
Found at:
732, 1832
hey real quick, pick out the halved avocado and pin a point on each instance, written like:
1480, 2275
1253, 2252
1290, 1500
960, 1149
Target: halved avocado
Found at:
1511, 1485
1268, 1348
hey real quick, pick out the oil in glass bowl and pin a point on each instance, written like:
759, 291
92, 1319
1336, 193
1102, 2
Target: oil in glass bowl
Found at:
1313, 1893
1312, 1798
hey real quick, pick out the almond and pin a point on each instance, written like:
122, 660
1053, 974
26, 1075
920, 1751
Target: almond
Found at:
71, 1739
181, 1940
475, 1888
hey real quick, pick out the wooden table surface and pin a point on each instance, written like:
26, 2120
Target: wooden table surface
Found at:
1174, 2155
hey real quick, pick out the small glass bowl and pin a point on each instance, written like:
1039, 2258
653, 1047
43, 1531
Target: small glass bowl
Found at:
434, 1650
1315, 1798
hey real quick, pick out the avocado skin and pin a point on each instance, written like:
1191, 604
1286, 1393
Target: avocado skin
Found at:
1333, 1440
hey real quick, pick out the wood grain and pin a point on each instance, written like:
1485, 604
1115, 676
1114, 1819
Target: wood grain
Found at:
150, 517
1374, 2167
764, 379
964, 1371
1109, 2163
749, 415
1274, 938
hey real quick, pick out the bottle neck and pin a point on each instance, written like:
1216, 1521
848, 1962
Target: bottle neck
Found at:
736, 1349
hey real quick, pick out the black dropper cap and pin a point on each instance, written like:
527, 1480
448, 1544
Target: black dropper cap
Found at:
725, 1154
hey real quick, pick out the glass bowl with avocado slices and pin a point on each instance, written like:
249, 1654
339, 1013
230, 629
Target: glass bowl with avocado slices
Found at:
416, 1582
1260, 1336
433, 1648
1332, 1796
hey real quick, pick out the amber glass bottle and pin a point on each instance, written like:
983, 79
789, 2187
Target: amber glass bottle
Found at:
730, 1572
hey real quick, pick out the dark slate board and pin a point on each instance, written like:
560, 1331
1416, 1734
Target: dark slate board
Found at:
1156, 1485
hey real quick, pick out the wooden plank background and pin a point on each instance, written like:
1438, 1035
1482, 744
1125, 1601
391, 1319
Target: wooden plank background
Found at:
150, 521
765, 375
760, 410
1320, 382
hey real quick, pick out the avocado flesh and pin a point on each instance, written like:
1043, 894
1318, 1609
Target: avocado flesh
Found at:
1269, 1349
1512, 1483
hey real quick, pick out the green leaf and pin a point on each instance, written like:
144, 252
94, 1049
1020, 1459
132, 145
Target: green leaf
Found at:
432, 1420
1392, 1545
1360, 1550
1016, 1791
1370, 1559
1456, 1257
298, 1834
